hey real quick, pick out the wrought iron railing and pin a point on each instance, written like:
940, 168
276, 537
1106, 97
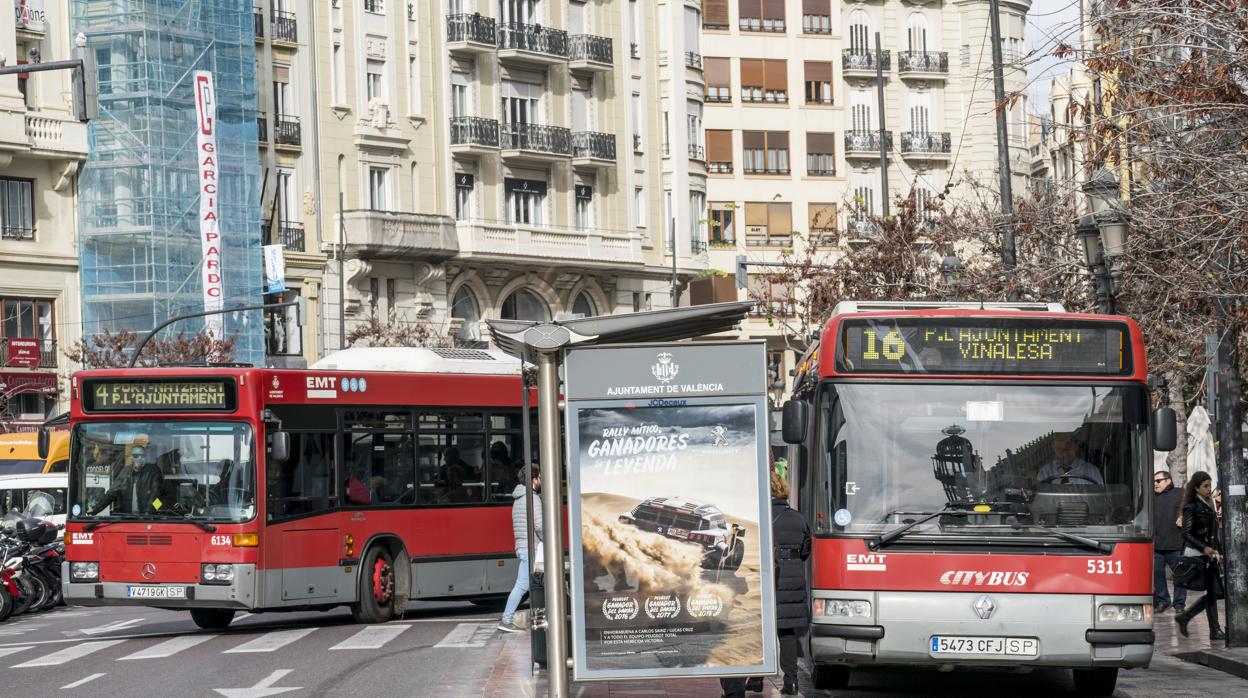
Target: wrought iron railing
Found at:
693, 60
591, 144
922, 62
284, 27
586, 47
16, 231
697, 246
863, 59
926, 142
866, 141
475, 28
290, 235
286, 130
474, 130
696, 152
533, 37
537, 137
719, 167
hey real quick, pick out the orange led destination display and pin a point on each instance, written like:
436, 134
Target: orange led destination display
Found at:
1028, 346
157, 395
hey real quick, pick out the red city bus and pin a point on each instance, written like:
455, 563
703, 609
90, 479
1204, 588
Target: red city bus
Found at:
977, 481
228, 489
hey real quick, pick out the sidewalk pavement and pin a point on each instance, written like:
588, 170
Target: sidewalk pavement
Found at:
1197, 648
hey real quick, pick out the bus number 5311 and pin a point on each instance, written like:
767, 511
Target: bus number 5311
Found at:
1104, 566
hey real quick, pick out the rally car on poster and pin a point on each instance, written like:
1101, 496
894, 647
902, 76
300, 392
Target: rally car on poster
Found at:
694, 522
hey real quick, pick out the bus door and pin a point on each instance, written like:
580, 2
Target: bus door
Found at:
303, 548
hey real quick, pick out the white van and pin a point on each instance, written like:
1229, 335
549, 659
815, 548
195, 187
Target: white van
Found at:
44, 492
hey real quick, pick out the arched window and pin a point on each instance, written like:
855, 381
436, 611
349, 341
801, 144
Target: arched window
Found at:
525, 305
584, 305
860, 40
916, 31
466, 308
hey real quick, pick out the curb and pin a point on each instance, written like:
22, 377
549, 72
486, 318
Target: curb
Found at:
1233, 662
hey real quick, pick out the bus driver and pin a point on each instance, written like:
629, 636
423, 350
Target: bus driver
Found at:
1068, 468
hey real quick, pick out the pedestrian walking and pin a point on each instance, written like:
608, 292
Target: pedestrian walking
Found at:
520, 529
1167, 542
1200, 539
791, 549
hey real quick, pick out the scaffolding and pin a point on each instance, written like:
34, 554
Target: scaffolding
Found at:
139, 191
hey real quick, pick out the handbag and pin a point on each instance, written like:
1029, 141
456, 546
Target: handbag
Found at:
1219, 586
1189, 573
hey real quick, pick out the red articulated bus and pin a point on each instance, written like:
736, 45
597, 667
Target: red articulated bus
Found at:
977, 478
382, 475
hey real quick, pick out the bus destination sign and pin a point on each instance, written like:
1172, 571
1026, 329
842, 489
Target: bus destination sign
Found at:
198, 395
969, 346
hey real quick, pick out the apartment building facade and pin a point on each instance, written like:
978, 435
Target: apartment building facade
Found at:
460, 160
793, 99
42, 147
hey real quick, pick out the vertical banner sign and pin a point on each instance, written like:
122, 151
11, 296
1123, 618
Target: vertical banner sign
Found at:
274, 269
669, 511
209, 220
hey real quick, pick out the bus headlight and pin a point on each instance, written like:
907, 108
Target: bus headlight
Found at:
843, 608
211, 573
1124, 613
84, 571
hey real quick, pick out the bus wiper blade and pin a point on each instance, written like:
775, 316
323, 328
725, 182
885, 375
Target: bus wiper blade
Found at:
888, 537
1101, 546
188, 520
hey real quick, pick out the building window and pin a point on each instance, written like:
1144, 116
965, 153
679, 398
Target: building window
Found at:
17, 206
822, 222
723, 222
639, 206
584, 306
718, 79
525, 305
338, 86
413, 83
281, 90
818, 82
719, 151
379, 188
584, 206
764, 80
821, 154
816, 16
281, 327
28, 318
765, 152
465, 307
860, 32
761, 15
697, 238
375, 80
715, 15
377, 7
464, 184
768, 224
525, 199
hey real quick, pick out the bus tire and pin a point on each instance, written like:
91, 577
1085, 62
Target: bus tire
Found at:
212, 618
376, 592
830, 677
1096, 682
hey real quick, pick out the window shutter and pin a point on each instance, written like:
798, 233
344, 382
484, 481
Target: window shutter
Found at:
719, 146
751, 72
821, 143
775, 76
718, 71
818, 71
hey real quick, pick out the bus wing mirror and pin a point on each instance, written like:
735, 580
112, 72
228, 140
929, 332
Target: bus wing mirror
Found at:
43, 439
793, 421
279, 446
1165, 429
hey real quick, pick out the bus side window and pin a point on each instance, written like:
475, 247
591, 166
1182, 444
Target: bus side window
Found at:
301, 484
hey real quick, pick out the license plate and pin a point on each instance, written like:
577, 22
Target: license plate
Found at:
157, 592
944, 645
678, 532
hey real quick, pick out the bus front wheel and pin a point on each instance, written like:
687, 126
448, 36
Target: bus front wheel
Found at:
1096, 682
830, 677
212, 618
376, 592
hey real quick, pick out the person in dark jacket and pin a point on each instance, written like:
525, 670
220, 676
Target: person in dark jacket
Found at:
1200, 537
1167, 542
790, 550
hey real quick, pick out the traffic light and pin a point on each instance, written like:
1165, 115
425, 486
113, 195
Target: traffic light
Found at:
742, 277
86, 82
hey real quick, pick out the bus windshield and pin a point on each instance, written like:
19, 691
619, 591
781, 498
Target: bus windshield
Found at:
1014, 459
157, 470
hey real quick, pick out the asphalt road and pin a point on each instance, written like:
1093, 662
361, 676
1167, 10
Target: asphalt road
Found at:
438, 649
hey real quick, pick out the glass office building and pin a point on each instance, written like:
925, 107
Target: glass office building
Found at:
139, 240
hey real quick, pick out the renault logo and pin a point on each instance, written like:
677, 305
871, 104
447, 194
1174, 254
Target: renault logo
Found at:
984, 607
149, 571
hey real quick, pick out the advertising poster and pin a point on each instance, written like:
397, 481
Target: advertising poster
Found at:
671, 542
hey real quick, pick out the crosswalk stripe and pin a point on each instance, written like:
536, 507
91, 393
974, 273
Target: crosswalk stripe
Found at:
269, 642
5, 651
468, 635
80, 682
69, 654
170, 647
371, 637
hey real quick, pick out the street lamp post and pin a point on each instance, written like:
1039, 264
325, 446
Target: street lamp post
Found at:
1094, 258
1104, 236
951, 269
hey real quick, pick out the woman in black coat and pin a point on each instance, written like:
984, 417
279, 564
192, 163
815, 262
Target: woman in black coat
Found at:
791, 542
1200, 537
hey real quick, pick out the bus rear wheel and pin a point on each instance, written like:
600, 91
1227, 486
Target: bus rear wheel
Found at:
1096, 682
376, 592
212, 618
830, 677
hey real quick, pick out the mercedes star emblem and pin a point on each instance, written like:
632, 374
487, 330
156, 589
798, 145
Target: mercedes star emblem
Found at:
148, 571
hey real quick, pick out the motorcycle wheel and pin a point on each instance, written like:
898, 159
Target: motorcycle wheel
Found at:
23, 602
41, 593
6, 603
